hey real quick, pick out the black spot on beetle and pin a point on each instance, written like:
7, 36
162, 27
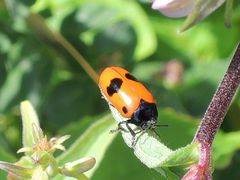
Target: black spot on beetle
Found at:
131, 77
124, 109
114, 86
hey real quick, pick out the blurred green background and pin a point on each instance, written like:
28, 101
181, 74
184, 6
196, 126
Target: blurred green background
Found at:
181, 70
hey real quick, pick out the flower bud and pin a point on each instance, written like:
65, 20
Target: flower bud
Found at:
77, 167
173, 8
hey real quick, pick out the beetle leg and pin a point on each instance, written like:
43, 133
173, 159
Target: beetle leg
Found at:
119, 128
122, 129
129, 129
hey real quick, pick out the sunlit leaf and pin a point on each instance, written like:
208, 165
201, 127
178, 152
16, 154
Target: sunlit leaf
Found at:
13, 84
30, 120
149, 149
124, 10
16, 170
224, 147
93, 142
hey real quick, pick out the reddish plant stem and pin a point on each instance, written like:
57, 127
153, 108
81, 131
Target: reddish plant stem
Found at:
221, 100
213, 119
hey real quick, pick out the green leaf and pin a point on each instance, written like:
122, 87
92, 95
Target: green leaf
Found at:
154, 154
18, 7
5, 156
187, 47
29, 117
142, 26
12, 85
167, 173
224, 147
202, 71
18, 10
180, 131
123, 10
149, 149
200, 77
201, 9
183, 156
16, 170
127, 166
93, 142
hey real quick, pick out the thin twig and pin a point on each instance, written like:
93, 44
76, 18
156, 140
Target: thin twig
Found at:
77, 56
38, 24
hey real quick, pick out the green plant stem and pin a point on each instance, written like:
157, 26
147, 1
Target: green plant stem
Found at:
38, 25
78, 57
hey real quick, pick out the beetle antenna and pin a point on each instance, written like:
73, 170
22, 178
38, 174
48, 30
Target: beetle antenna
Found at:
161, 125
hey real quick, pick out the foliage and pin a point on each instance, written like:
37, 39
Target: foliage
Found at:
38, 161
34, 66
